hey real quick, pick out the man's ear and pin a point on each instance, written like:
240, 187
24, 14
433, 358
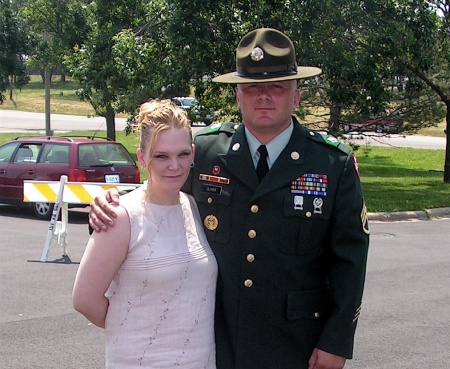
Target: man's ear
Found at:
297, 98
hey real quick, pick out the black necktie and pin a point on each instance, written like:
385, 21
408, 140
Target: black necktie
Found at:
262, 167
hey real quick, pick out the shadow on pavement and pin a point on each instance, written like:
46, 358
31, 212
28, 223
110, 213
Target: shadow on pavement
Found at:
76, 215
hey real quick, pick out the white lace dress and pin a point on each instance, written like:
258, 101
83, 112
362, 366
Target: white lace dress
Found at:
161, 312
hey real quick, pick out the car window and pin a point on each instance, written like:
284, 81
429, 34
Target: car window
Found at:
6, 152
103, 154
27, 153
55, 154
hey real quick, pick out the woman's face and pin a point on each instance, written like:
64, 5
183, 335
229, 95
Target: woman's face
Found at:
170, 163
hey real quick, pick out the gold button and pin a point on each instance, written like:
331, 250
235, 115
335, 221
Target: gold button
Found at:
316, 314
250, 258
308, 214
248, 283
210, 200
252, 233
295, 155
254, 209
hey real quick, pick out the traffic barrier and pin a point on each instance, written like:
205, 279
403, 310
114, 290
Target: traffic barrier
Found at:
63, 193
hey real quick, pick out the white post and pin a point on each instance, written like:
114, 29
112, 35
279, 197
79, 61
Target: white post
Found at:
61, 229
54, 218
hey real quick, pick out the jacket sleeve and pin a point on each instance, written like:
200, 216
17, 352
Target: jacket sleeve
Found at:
349, 241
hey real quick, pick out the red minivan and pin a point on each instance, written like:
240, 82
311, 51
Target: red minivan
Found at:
48, 158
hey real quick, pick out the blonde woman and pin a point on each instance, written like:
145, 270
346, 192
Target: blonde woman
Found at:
150, 281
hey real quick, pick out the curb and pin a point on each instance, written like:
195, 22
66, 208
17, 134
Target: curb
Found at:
428, 214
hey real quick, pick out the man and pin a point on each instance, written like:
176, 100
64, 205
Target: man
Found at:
289, 231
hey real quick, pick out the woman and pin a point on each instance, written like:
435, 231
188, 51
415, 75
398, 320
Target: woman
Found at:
150, 281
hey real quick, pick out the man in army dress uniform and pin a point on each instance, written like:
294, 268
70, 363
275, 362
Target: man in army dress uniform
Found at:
284, 213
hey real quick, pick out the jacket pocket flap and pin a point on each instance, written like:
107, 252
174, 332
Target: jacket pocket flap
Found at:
310, 304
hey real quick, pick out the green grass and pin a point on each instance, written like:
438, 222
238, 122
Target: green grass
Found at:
63, 99
400, 179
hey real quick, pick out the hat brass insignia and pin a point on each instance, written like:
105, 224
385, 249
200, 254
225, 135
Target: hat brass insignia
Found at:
257, 54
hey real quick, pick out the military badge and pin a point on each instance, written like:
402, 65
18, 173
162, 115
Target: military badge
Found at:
310, 184
211, 222
318, 203
365, 219
257, 54
215, 179
355, 164
298, 202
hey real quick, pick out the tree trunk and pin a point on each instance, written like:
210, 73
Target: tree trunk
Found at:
447, 145
335, 115
110, 123
11, 87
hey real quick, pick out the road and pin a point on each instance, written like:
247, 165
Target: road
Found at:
395, 140
15, 121
19, 121
404, 322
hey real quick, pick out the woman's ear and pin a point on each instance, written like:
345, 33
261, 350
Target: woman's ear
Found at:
141, 158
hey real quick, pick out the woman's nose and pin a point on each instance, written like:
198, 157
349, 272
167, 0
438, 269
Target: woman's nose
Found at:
174, 164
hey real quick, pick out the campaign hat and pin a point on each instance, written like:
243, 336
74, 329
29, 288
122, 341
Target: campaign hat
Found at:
266, 55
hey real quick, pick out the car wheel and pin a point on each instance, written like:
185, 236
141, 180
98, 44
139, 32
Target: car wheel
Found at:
43, 210
379, 128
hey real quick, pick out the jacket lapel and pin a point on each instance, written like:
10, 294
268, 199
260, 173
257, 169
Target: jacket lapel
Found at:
238, 160
288, 166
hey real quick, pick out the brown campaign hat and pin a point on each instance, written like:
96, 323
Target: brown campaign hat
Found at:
266, 55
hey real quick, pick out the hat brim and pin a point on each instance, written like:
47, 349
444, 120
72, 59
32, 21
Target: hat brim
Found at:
234, 78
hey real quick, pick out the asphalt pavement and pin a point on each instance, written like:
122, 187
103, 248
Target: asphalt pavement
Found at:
404, 322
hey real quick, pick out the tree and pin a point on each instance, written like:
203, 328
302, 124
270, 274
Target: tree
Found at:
423, 58
93, 64
13, 48
55, 26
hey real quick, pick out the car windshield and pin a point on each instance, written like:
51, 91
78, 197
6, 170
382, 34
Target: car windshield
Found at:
189, 101
103, 155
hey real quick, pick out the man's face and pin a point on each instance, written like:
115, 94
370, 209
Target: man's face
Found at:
267, 107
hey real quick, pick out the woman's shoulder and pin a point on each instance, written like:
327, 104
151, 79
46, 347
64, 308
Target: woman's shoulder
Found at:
133, 197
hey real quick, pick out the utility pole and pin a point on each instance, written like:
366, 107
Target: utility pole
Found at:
47, 81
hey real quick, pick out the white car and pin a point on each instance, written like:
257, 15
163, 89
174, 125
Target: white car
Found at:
196, 112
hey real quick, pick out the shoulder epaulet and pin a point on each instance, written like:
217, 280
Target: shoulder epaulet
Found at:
328, 139
218, 127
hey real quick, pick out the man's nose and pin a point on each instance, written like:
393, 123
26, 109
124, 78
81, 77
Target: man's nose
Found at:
264, 93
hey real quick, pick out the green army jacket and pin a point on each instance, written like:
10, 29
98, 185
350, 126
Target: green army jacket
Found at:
291, 250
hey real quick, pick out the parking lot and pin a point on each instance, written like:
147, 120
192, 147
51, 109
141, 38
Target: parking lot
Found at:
405, 321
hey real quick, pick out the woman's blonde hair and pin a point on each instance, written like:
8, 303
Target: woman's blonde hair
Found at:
155, 116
